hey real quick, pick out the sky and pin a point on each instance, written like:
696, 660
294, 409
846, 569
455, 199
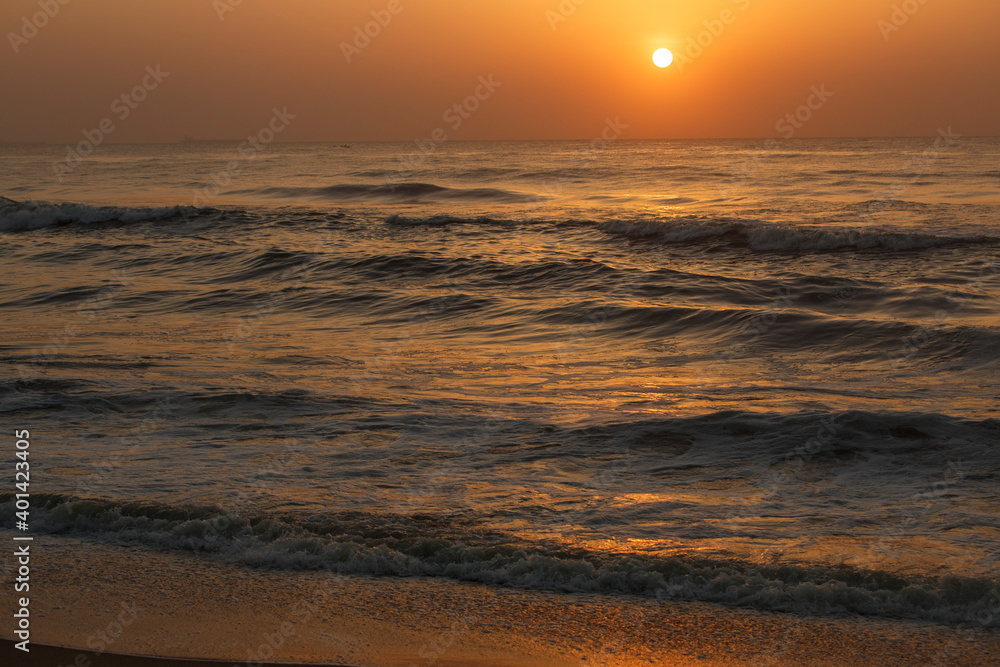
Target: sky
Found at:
517, 69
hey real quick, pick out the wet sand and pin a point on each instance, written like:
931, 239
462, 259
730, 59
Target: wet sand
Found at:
100, 601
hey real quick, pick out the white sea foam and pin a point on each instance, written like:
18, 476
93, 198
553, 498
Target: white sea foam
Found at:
25, 216
355, 547
770, 237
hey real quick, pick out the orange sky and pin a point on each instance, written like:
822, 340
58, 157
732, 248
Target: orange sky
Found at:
558, 79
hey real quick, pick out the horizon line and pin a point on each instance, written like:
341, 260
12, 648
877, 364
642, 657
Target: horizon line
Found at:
402, 141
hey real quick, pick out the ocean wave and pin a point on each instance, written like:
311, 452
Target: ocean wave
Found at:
391, 192
767, 237
777, 436
24, 216
259, 265
446, 220
367, 543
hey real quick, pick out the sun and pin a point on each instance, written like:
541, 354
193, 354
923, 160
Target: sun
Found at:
662, 58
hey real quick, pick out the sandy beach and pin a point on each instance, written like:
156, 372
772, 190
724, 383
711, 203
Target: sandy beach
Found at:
99, 601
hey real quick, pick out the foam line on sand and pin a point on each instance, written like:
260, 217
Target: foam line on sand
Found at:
108, 604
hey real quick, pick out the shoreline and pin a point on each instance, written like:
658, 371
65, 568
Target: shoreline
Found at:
175, 609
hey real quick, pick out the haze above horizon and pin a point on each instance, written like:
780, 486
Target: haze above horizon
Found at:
397, 70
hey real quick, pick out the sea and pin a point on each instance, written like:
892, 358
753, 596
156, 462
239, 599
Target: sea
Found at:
756, 373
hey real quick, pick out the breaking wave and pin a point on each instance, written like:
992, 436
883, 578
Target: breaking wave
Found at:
367, 544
